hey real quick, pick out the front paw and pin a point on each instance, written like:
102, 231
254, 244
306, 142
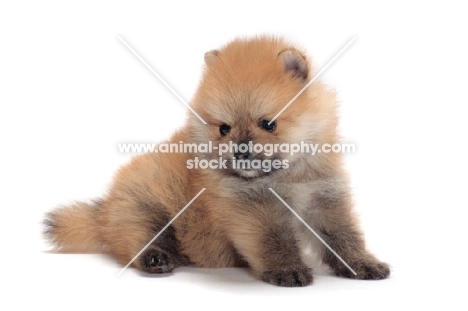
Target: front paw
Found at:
288, 277
365, 270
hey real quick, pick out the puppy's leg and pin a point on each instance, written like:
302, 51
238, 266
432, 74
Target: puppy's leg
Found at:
133, 224
266, 240
281, 258
162, 255
203, 242
147, 193
331, 216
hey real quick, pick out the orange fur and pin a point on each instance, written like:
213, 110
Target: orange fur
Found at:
237, 221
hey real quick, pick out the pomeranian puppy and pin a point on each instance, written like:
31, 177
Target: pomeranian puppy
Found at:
237, 221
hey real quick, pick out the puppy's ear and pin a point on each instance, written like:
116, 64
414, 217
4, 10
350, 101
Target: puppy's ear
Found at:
211, 56
294, 63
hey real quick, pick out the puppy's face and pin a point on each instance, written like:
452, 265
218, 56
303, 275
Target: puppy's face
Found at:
245, 85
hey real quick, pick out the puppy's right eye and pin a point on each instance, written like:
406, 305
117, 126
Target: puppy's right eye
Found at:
224, 129
268, 126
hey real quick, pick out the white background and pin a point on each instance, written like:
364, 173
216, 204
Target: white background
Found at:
70, 92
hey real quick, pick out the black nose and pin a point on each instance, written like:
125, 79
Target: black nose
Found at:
242, 155
243, 151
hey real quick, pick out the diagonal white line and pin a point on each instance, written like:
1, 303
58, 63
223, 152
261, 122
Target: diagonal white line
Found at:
161, 79
313, 231
313, 79
159, 233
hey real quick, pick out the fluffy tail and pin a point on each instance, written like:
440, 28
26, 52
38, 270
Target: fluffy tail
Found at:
74, 228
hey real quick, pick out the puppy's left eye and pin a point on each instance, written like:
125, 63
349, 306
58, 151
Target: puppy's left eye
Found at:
268, 127
224, 129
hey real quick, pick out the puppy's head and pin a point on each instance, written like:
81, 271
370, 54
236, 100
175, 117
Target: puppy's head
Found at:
242, 95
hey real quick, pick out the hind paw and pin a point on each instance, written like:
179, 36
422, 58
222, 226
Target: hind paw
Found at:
156, 261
